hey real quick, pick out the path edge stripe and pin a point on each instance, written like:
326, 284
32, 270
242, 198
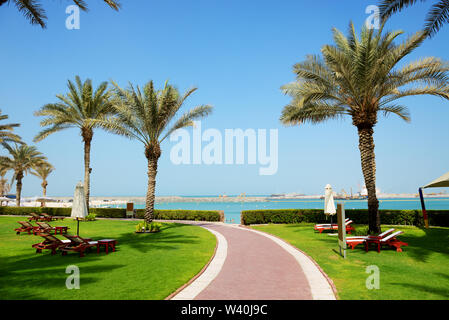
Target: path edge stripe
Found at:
209, 272
321, 286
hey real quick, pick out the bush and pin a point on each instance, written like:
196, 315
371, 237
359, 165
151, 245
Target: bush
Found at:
151, 227
359, 216
195, 215
90, 217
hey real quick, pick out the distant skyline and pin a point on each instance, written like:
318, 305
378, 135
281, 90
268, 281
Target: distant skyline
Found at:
238, 54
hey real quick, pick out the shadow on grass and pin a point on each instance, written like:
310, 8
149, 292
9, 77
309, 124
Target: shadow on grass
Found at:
441, 292
25, 272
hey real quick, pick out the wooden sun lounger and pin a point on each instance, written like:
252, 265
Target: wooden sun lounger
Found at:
51, 218
50, 243
25, 227
45, 227
36, 217
78, 244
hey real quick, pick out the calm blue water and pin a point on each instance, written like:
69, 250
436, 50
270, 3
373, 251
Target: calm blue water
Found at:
232, 209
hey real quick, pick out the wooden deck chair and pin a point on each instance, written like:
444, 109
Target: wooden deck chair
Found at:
78, 244
45, 227
50, 243
36, 217
25, 227
51, 218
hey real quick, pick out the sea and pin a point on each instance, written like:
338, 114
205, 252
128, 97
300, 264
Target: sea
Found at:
232, 210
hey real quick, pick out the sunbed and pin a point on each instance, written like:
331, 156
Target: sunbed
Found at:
51, 218
50, 243
356, 240
36, 217
390, 240
25, 227
349, 228
328, 224
78, 244
45, 227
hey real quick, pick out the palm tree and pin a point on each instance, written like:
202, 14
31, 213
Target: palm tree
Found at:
145, 116
436, 17
78, 109
4, 185
35, 14
360, 78
22, 159
6, 134
42, 171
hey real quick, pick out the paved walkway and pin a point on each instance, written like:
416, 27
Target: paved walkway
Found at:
251, 265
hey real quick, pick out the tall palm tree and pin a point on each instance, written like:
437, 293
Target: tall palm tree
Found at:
436, 17
22, 159
35, 14
78, 109
146, 116
359, 78
4, 185
42, 171
6, 130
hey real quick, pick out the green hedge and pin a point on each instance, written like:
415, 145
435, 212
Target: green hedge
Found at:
196, 215
359, 216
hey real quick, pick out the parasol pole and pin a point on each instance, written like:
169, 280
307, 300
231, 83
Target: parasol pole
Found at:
423, 206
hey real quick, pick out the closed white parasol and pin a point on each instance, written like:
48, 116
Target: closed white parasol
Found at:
329, 205
79, 207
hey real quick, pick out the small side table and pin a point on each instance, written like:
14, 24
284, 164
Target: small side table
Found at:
107, 243
60, 229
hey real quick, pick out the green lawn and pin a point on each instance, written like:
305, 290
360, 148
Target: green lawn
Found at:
145, 266
421, 271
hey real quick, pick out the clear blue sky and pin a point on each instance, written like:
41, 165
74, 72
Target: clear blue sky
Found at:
238, 53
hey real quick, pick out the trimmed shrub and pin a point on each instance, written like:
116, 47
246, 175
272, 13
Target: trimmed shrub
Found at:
359, 216
195, 215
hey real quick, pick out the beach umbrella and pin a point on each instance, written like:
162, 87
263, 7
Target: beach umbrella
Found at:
42, 200
440, 182
329, 205
79, 207
5, 199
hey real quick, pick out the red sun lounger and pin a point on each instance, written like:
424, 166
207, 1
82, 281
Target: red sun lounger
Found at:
50, 243
37, 217
349, 228
390, 241
25, 227
51, 218
328, 224
356, 240
78, 244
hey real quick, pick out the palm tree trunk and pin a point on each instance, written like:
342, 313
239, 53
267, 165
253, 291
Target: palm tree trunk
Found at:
149, 205
87, 170
18, 187
366, 147
44, 188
